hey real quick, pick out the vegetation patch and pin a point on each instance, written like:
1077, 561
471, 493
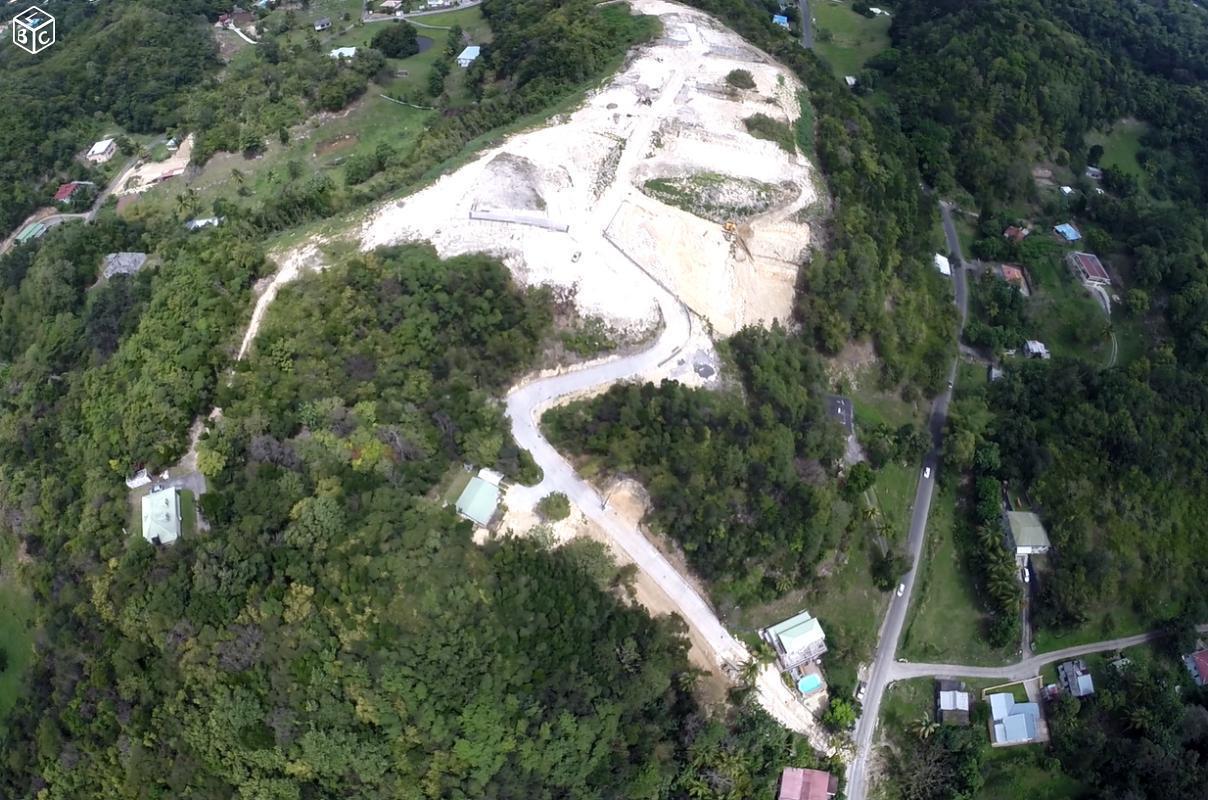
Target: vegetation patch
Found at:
740, 79
761, 126
717, 197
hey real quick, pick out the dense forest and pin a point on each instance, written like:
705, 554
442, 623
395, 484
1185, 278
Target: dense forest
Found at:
741, 482
1144, 734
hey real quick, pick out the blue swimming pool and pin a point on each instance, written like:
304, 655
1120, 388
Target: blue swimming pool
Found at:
809, 683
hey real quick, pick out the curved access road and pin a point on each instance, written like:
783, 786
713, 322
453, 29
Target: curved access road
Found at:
895, 616
1021, 670
529, 399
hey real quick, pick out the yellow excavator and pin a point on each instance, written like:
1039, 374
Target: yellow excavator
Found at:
733, 231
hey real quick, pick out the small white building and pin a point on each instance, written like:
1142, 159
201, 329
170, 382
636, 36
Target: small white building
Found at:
850, 80
343, 52
102, 151
161, 516
1035, 349
943, 265
468, 56
1067, 190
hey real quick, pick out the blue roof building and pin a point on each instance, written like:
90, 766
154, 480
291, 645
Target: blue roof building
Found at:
1068, 232
478, 501
781, 20
1012, 722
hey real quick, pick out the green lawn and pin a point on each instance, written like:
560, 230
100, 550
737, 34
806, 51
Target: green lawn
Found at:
1100, 627
16, 638
1062, 314
946, 621
846, 604
894, 494
188, 513
1024, 773
1121, 143
853, 38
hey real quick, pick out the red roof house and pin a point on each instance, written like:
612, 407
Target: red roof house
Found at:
807, 784
1197, 665
66, 191
1016, 234
1013, 275
1088, 267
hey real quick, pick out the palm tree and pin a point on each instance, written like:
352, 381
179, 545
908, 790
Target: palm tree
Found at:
925, 726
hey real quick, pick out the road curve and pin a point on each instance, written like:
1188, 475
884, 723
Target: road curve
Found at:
1028, 667
895, 616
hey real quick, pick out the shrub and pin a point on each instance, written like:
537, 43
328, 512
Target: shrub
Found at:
554, 506
740, 79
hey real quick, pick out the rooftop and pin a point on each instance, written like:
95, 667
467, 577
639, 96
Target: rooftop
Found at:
478, 501
942, 264
161, 516
100, 147
123, 263
1068, 232
1026, 529
807, 784
470, 53
798, 633
1013, 722
1090, 265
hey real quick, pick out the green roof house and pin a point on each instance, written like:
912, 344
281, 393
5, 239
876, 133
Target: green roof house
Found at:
1027, 534
161, 516
797, 640
479, 501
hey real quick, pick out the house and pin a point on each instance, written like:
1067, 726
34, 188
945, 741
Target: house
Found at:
1025, 533
343, 52
1068, 232
172, 145
161, 516
390, 5
850, 80
1197, 666
1012, 722
781, 20
31, 232
1014, 275
1016, 233
996, 374
102, 151
203, 222
1076, 678
468, 56
951, 702
1035, 349
478, 501
798, 641
66, 190
323, 24
807, 784
1094, 173
943, 265
1067, 190
878, 12
1089, 268
841, 410
122, 264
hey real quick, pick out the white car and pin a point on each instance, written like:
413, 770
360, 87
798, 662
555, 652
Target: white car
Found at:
926, 473
901, 589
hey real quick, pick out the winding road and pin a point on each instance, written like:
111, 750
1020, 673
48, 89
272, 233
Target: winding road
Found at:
882, 672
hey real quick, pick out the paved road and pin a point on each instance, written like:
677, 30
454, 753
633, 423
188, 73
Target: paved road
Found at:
895, 617
58, 219
369, 16
1028, 667
807, 25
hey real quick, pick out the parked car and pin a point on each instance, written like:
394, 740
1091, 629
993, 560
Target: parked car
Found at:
860, 690
926, 473
901, 589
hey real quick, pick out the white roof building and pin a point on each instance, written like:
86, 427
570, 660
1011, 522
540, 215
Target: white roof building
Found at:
1012, 722
943, 265
102, 151
343, 52
468, 56
1035, 349
161, 516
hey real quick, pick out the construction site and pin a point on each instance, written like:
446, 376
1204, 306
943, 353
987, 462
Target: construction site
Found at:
658, 167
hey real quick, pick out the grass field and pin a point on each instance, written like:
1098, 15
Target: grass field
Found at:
1024, 773
1100, 627
946, 621
844, 39
1121, 143
16, 638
